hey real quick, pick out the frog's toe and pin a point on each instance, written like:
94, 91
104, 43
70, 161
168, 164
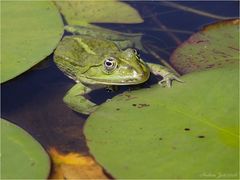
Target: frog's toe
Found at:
177, 79
167, 80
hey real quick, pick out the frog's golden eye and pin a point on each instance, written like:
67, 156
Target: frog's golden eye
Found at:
110, 64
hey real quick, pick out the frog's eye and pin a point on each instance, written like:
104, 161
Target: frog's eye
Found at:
136, 53
110, 64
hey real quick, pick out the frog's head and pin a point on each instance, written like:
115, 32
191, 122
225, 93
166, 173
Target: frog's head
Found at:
120, 68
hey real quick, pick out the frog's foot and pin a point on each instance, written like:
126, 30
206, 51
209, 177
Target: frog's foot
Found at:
167, 75
76, 101
167, 80
80, 104
112, 88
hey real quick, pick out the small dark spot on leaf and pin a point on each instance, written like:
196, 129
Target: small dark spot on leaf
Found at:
187, 129
174, 147
140, 128
129, 97
200, 41
201, 136
210, 66
134, 104
159, 139
143, 105
33, 163
233, 48
117, 109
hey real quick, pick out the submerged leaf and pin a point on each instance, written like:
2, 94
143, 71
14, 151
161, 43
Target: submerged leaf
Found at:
86, 12
185, 132
29, 32
214, 46
74, 166
22, 157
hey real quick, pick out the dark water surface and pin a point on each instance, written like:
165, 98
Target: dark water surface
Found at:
34, 100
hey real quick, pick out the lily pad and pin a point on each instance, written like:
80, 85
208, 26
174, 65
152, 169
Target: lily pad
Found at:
123, 40
86, 12
214, 46
187, 132
29, 32
22, 157
80, 14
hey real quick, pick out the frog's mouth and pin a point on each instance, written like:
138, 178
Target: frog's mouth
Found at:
135, 78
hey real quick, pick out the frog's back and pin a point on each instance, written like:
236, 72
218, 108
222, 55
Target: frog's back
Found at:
76, 54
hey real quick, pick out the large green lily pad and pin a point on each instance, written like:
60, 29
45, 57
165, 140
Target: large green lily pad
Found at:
86, 12
187, 132
214, 46
22, 157
29, 32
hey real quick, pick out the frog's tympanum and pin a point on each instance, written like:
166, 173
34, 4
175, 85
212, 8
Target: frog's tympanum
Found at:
93, 61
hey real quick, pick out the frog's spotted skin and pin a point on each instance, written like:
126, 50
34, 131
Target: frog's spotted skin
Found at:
86, 59
90, 60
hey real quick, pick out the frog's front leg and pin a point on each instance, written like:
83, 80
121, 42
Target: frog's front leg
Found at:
76, 101
166, 74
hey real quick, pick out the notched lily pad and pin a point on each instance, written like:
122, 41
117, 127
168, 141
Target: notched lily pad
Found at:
86, 12
80, 14
189, 131
22, 157
123, 40
216, 45
29, 32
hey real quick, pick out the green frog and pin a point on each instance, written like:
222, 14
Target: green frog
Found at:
96, 61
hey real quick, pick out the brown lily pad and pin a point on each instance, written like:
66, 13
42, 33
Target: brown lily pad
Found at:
216, 45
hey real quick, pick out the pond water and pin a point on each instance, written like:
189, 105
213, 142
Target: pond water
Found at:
34, 100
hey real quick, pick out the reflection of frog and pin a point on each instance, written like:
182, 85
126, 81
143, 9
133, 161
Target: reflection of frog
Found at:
93, 61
